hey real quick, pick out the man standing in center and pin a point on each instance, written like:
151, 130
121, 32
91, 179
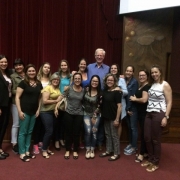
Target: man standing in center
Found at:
100, 69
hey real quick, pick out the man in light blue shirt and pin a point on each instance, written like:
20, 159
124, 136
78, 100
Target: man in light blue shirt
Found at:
100, 69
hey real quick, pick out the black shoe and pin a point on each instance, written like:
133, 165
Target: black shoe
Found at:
15, 149
2, 157
4, 154
114, 158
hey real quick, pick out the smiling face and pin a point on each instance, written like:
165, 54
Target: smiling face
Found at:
3, 64
64, 67
19, 68
99, 56
114, 69
31, 73
55, 82
46, 69
129, 72
82, 65
143, 77
77, 79
110, 81
156, 74
94, 82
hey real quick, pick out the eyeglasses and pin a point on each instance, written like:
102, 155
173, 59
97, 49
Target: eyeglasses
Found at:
77, 79
142, 75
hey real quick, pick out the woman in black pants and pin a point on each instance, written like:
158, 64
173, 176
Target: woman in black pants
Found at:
73, 117
5, 97
141, 98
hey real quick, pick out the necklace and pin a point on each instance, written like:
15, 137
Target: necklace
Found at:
142, 85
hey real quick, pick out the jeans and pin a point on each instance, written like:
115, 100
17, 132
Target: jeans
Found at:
15, 126
90, 132
48, 119
132, 128
72, 127
100, 133
152, 135
25, 131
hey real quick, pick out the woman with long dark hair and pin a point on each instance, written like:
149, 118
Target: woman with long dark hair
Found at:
28, 105
5, 100
141, 100
91, 105
16, 78
158, 110
131, 109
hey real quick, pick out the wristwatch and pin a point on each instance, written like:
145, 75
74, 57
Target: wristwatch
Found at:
167, 117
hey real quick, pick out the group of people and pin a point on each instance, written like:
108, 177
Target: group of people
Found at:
98, 97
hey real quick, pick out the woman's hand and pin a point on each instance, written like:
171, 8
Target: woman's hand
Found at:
37, 113
133, 98
130, 113
21, 115
164, 122
59, 99
56, 113
116, 122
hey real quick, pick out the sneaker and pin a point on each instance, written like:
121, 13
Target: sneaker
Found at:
146, 164
40, 145
15, 149
129, 146
92, 154
88, 154
35, 149
130, 151
152, 168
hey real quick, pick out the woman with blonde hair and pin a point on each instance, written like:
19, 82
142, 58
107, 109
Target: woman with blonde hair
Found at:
43, 75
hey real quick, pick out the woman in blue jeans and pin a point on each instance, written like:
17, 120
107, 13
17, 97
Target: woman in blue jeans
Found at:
50, 96
91, 115
131, 118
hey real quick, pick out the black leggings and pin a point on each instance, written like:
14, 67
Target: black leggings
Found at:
72, 127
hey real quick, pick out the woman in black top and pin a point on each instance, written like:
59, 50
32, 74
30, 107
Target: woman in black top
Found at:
111, 111
5, 96
28, 104
141, 99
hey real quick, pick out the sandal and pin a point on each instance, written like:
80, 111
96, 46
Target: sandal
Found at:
50, 152
146, 164
67, 156
46, 156
105, 154
114, 158
139, 158
25, 159
75, 155
152, 168
32, 156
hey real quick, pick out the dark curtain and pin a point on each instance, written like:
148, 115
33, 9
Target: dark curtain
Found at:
50, 30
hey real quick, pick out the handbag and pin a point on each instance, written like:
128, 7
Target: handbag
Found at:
63, 104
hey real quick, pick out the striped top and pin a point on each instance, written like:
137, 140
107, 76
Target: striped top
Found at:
156, 101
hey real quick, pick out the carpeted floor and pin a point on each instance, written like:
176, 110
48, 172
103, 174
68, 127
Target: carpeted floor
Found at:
57, 168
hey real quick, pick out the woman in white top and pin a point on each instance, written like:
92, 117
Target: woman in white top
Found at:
158, 110
43, 75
